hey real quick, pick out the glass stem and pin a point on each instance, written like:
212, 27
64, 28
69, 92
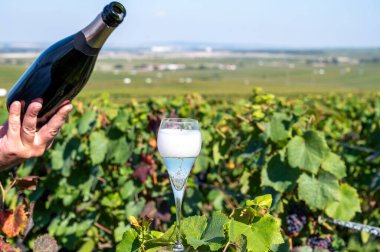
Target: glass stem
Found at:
178, 206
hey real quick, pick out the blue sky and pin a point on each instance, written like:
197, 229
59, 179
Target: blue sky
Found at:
271, 23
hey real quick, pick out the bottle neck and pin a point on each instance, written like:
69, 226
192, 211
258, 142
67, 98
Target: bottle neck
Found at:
97, 32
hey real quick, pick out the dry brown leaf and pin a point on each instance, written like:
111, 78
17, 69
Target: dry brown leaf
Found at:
152, 142
29, 183
6, 247
12, 223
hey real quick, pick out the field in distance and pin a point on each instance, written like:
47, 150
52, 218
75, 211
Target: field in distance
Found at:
229, 75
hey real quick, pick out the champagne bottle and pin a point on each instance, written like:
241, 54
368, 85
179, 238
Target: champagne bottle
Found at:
63, 69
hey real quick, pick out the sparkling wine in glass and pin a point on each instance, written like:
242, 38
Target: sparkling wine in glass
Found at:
179, 143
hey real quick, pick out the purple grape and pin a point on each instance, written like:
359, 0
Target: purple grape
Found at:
316, 242
295, 223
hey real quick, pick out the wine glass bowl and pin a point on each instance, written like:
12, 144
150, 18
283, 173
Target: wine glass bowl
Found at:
179, 143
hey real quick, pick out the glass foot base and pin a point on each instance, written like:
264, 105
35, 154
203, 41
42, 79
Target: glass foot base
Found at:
178, 248
174, 248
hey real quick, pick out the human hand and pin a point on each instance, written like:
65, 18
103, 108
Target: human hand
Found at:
21, 141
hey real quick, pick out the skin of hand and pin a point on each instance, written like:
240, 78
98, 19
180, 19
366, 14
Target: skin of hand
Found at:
21, 141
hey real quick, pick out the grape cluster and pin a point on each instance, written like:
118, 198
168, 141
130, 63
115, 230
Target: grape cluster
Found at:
295, 223
296, 219
316, 242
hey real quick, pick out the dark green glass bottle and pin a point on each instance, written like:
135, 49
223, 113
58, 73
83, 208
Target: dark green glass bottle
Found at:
63, 69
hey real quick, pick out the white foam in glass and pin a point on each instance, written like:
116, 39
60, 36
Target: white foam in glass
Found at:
179, 143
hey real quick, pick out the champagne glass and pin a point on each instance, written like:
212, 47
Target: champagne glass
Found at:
179, 142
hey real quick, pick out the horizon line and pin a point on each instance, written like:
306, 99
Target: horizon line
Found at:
216, 45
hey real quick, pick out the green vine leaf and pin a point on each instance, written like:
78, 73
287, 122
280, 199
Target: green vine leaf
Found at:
279, 175
260, 235
86, 122
236, 230
276, 128
262, 202
307, 152
119, 151
334, 165
318, 192
214, 233
98, 147
193, 228
348, 205
244, 215
241, 244
160, 240
200, 232
257, 234
130, 242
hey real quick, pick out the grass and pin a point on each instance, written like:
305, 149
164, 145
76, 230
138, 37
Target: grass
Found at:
276, 76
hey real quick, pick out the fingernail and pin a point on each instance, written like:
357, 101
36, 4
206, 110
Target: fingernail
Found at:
16, 104
37, 110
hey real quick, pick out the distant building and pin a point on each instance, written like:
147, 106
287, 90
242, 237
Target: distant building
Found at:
161, 49
3, 92
229, 67
127, 81
160, 67
171, 67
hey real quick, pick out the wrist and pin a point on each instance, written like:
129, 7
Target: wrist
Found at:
6, 160
3, 162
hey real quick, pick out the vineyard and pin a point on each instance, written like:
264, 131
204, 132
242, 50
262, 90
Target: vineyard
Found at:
272, 174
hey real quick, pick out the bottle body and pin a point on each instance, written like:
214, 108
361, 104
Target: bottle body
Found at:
62, 70
56, 76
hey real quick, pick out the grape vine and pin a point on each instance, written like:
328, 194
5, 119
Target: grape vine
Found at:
316, 156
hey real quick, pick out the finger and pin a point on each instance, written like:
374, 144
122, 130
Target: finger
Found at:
29, 124
14, 123
50, 130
